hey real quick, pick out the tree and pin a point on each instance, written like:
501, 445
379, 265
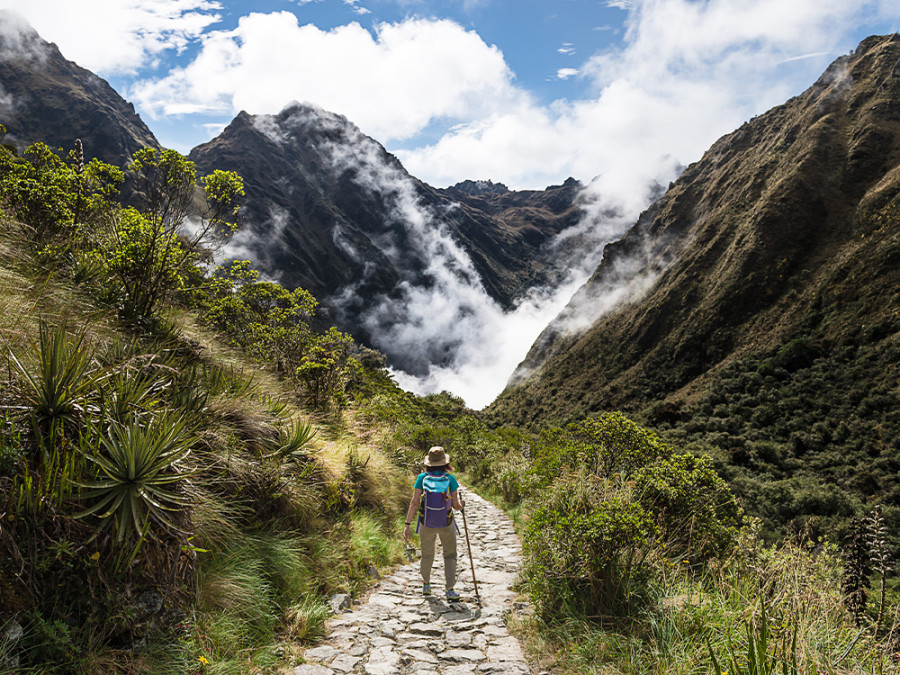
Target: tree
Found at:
157, 247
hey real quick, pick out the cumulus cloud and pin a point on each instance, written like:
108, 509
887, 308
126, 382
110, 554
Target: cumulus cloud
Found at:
118, 36
566, 73
392, 82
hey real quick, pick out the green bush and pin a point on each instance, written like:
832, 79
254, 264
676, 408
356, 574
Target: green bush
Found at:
696, 512
604, 446
586, 549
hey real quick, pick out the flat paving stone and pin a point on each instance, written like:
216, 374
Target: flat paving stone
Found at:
323, 654
308, 669
344, 663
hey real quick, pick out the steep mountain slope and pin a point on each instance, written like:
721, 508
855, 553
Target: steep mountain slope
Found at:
330, 210
766, 306
44, 97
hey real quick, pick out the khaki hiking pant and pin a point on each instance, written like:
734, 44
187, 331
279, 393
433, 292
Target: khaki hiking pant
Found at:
428, 538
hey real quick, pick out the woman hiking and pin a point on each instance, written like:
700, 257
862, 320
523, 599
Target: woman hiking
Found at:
434, 492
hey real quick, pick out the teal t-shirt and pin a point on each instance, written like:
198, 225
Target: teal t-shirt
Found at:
420, 482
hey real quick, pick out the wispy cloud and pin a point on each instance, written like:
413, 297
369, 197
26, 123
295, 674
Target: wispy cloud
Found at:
357, 8
566, 73
567, 49
801, 57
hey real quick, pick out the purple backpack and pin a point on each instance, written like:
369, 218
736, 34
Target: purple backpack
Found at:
435, 509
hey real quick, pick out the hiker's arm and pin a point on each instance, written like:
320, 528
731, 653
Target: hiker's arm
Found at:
411, 511
458, 502
413, 505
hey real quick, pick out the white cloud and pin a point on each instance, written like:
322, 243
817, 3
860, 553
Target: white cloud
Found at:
392, 83
566, 73
358, 9
117, 36
567, 49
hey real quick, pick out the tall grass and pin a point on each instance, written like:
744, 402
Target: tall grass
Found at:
764, 610
372, 542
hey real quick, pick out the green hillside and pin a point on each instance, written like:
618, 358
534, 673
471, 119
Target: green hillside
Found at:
768, 338
172, 486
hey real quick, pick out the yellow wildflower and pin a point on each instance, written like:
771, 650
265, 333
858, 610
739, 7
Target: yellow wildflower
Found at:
204, 661
95, 555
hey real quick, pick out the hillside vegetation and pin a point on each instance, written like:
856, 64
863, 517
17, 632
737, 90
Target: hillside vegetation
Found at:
180, 484
768, 339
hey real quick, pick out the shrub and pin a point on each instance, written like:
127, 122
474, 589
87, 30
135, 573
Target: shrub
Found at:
586, 549
697, 514
603, 446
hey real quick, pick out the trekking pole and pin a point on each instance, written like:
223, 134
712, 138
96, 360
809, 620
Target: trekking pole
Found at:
471, 562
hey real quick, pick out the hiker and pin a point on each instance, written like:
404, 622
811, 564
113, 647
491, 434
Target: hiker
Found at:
434, 492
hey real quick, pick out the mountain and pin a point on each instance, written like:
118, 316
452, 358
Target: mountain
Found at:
44, 97
330, 210
758, 301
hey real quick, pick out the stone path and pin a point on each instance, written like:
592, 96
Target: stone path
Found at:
398, 631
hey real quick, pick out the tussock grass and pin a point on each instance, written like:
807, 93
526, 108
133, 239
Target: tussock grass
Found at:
372, 543
305, 619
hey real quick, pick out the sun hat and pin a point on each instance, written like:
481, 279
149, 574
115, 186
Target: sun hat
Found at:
437, 457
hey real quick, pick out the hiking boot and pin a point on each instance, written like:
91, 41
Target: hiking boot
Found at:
426, 589
452, 595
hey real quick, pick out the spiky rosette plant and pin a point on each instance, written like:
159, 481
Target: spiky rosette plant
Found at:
294, 441
57, 388
137, 463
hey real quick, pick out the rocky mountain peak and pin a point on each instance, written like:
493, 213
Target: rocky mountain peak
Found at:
475, 188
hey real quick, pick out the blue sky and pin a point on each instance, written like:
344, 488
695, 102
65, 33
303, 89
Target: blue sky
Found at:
526, 92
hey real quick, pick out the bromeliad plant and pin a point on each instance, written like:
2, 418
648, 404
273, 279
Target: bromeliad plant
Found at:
58, 388
766, 655
294, 441
138, 471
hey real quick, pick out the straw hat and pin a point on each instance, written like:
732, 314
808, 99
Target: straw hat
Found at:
437, 457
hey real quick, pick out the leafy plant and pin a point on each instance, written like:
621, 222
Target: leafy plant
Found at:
137, 466
150, 254
58, 388
696, 511
294, 439
604, 445
53, 198
585, 550
759, 660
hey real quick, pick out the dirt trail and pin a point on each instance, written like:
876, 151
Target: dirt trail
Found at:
398, 631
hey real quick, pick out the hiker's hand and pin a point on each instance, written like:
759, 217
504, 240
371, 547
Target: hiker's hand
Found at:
406, 534
462, 504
